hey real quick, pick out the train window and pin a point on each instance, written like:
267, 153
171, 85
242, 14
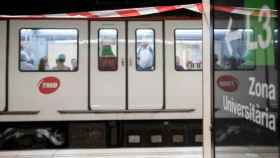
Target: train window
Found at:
234, 54
107, 49
145, 50
188, 49
48, 50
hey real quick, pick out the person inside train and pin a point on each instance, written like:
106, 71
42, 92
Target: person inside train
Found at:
25, 63
26, 58
107, 51
74, 64
60, 63
145, 57
43, 64
26, 50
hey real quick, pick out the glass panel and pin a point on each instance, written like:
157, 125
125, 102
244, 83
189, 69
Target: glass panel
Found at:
108, 50
188, 50
145, 50
246, 80
233, 56
48, 50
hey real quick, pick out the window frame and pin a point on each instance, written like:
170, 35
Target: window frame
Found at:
175, 49
154, 43
39, 28
98, 48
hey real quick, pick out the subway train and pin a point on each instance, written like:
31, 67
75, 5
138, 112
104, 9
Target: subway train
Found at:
100, 83
118, 82
74, 69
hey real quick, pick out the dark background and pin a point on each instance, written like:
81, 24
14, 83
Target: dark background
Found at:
14, 7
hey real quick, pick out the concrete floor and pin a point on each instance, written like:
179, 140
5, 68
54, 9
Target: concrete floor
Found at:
185, 152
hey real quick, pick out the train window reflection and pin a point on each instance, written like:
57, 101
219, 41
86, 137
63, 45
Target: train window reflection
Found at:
188, 50
107, 50
233, 54
48, 50
145, 50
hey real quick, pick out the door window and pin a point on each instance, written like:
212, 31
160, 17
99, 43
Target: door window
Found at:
108, 50
145, 50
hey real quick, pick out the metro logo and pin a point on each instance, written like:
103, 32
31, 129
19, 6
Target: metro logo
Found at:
228, 83
48, 85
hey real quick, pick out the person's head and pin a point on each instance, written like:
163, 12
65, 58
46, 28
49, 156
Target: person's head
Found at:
145, 44
60, 59
43, 63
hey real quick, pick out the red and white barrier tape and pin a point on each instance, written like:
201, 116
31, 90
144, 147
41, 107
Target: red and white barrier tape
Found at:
133, 12
245, 11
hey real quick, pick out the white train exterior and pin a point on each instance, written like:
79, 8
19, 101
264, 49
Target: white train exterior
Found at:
90, 93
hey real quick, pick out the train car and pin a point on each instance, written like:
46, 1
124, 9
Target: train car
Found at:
52, 69
126, 82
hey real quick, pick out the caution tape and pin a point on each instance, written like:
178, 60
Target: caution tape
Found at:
134, 12
131, 12
245, 11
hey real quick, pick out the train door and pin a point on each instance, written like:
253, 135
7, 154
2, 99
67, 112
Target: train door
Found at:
48, 65
108, 65
3, 33
145, 65
184, 66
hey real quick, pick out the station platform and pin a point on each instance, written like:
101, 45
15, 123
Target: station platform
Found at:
183, 152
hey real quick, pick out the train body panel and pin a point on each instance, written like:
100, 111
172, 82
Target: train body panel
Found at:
108, 80
226, 96
145, 79
184, 87
3, 32
47, 90
126, 72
